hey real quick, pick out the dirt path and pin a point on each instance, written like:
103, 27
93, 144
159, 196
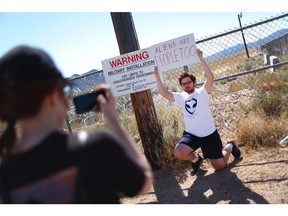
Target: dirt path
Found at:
259, 177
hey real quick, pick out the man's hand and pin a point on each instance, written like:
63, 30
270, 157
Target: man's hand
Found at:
156, 72
207, 72
200, 54
162, 90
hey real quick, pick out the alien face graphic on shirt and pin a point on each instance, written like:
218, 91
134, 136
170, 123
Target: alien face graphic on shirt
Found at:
190, 105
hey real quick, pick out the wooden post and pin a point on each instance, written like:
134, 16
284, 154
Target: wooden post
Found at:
142, 102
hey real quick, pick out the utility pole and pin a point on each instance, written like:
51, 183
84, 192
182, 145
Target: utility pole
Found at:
239, 19
148, 126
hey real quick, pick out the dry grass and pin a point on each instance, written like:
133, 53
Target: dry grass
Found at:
266, 124
261, 131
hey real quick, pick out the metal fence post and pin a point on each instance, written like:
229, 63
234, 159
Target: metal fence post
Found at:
239, 18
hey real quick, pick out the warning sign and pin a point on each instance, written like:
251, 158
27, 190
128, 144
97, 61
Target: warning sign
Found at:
131, 72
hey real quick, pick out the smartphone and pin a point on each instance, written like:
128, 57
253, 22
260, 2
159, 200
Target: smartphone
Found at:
86, 102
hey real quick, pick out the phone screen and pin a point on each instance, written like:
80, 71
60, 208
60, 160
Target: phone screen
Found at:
86, 102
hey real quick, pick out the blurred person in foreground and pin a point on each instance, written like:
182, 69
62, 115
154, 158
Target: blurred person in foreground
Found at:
43, 165
201, 131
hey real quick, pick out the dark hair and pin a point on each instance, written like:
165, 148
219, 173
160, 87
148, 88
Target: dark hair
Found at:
27, 75
184, 75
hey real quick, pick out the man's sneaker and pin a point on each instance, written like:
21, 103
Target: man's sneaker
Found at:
196, 165
284, 142
235, 150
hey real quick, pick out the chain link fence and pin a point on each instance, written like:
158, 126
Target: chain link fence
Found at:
258, 47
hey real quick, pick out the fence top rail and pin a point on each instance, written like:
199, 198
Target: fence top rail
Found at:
247, 72
241, 29
84, 75
202, 40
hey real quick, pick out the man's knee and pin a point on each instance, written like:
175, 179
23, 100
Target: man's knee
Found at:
179, 152
219, 167
218, 164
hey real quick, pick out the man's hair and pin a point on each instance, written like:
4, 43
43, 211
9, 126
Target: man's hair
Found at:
184, 75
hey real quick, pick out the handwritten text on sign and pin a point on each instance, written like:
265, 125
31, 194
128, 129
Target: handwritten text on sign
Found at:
175, 53
131, 72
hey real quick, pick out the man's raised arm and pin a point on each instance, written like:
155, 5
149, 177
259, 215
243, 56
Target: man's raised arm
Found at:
161, 88
207, 72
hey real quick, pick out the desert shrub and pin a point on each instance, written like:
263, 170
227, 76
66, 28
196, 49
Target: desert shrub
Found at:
272, 103
172, 131
271, 94
266, 124
261, 131
237, 86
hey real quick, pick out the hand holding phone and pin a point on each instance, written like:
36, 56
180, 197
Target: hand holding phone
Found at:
87, 102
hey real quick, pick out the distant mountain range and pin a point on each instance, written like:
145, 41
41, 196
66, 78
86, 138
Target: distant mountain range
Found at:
90, 79
240, 47
87, 81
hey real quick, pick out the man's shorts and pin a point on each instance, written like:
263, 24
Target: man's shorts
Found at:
210, 145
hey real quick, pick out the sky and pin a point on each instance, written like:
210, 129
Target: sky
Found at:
79, 40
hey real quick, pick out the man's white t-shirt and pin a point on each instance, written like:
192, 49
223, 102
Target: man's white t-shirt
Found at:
197, 114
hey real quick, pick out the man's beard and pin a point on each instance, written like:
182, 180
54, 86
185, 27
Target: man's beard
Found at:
189, 90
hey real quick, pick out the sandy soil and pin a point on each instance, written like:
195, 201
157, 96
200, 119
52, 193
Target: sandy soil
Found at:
258, 177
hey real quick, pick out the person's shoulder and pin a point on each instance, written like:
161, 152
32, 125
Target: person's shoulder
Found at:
203, 92
182, 93
87, 138
201, 89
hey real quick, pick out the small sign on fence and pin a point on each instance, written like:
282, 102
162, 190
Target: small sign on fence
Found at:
131, 72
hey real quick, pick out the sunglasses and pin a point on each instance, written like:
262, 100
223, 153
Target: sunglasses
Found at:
186, 83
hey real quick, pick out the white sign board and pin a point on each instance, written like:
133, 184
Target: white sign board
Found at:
175, 53
131, 72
